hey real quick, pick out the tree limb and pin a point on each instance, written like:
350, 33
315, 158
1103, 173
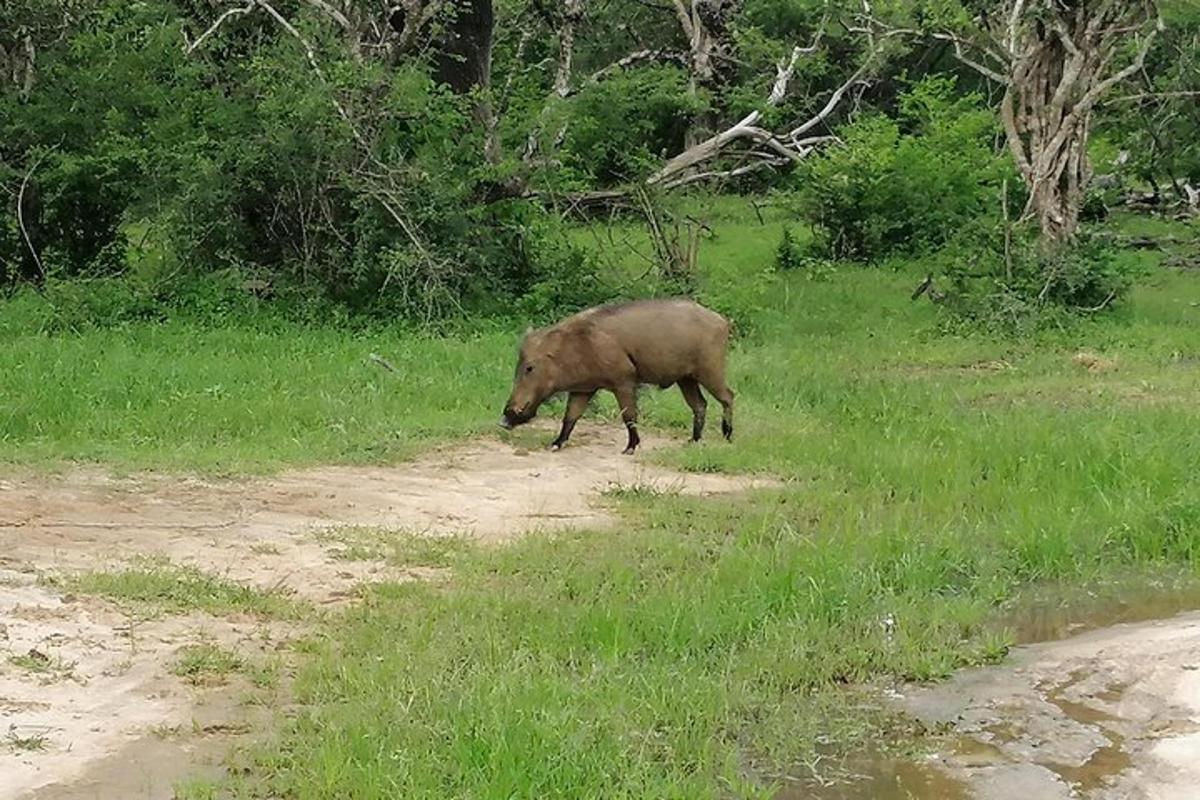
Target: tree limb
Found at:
37, 260
637, 57
1098, 91
312, 60
332, 12
978, 66
190, 47
1125, 98
788, 147
834, 100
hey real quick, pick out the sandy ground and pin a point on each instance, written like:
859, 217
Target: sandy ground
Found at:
101, 716
1113, 714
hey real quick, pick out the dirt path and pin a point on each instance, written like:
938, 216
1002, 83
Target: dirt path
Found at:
87, 704
1113, 714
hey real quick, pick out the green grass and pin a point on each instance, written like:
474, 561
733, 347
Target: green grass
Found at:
239, 399
33, 743
163, 587
707, 646
46, 667
206, 664
398, 548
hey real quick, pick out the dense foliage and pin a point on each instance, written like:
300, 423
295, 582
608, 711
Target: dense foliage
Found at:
906, 183
330, 158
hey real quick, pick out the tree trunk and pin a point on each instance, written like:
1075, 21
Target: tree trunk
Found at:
1059, 175
1056, 75
707, 26
464, 63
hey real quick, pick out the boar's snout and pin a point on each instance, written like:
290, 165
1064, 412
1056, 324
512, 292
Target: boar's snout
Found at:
512, 417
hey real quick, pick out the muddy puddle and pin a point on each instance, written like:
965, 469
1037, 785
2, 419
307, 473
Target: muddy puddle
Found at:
885, 779
1100, 701
1052, 614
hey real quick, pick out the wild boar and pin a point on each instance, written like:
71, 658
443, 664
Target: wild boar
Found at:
619, 347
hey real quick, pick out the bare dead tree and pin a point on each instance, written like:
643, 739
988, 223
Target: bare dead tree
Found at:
1056, 60
767, 148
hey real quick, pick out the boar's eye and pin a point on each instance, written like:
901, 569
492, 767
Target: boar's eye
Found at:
529, 367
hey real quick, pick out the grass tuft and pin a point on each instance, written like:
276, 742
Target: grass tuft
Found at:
206, 665
164, 587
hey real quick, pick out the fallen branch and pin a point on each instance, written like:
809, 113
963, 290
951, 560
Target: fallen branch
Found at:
924, 287
1102, 305
792, 146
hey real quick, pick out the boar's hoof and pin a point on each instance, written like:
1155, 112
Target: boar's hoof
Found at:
554, 447
628, 451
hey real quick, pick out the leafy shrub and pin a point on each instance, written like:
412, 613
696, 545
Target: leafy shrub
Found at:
906, 184
1027, 285
239, 167
621, 126
567, 279
789, 255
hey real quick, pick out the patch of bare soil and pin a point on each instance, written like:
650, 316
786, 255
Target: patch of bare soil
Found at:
84, 685
85, 690
1114, 713
261, 532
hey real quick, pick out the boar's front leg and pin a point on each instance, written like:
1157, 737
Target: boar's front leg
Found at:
576, 405
627, 400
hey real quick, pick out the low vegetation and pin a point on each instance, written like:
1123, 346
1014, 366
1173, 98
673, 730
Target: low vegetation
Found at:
165, 588
206, 664
47, 668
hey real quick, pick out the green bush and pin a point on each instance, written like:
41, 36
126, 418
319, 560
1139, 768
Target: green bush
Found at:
620, 127
1027, 285
906, 184
568, 279
789, 255
238, 167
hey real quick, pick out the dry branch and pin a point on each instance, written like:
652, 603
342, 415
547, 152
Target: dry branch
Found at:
190, 47
37, 260
788, 147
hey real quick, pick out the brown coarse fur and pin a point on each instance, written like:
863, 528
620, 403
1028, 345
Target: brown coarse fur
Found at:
618, 347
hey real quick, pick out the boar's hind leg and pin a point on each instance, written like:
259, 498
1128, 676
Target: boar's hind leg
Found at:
695, 400
575, 408
715, 384
627, 399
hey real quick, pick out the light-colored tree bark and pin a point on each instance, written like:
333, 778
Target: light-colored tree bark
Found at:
1056, 60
